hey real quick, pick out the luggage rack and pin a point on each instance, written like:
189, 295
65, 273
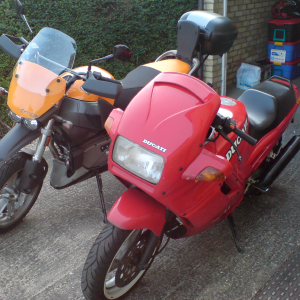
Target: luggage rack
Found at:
173, 53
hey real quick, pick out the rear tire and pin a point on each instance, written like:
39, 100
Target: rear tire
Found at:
10, 173
109, 271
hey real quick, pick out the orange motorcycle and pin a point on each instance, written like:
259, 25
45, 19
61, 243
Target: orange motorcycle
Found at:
65, 109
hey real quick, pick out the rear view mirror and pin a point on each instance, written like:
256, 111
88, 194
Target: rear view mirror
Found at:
19, 7
21, 11
122, 52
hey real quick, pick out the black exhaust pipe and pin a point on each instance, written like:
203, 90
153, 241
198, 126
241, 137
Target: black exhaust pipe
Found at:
281, 161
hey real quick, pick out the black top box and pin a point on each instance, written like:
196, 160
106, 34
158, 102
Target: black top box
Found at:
215, 34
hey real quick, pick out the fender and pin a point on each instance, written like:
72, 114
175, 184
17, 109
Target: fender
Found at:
137, 210
17, 138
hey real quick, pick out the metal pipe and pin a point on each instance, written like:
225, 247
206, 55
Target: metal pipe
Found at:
170, 53
224, 58
281, 161
200, 4
200, 57
40, 148
196, 64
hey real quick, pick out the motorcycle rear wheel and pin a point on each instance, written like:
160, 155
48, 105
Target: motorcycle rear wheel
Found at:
110, 269
11, 212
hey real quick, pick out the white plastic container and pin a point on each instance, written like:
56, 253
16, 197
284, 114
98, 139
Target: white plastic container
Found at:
247, 76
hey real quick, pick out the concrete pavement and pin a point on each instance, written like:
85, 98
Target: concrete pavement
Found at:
42, 259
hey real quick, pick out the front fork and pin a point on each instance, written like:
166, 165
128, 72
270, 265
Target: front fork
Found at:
33, 173
41, 146
35, 170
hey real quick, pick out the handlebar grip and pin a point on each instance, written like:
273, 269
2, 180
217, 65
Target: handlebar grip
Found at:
249, 139
99, 76
111, 80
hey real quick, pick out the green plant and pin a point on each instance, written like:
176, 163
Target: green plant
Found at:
148, 27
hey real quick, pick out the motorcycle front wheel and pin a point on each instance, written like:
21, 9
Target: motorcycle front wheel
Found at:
110, 269
13, 205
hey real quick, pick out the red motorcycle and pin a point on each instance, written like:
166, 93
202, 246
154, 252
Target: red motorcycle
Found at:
187, 165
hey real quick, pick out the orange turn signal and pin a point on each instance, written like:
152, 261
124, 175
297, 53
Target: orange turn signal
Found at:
108, 124
210, 174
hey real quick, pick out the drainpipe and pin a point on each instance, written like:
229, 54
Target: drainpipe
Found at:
224, 58
200, 57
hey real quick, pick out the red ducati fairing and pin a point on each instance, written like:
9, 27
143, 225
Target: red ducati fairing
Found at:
187, 157
175, 112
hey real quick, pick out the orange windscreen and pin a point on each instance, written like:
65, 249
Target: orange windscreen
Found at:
34, 90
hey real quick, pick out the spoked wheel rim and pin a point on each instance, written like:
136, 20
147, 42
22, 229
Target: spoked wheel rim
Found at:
12, 203
122, 273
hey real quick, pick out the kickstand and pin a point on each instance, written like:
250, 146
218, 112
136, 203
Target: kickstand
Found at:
99, 182
232, 227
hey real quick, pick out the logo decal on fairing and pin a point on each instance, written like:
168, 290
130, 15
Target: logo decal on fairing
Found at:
237, 142
28, 113
154, 145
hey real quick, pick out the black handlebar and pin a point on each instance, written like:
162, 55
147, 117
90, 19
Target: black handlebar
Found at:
111, 80
225, 125
9, 45
102, 86
228, 125
99, 76
249, 139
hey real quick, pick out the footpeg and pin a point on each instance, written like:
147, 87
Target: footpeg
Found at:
260, 188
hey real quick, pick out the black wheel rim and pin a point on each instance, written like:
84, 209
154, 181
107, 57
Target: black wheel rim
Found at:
116, 285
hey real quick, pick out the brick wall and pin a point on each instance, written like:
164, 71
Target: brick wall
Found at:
250, 18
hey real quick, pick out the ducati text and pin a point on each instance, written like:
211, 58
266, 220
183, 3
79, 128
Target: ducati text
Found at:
154, 145
237, 142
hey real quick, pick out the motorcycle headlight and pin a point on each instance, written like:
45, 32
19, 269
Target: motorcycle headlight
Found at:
31, 124
138, 160
15, 118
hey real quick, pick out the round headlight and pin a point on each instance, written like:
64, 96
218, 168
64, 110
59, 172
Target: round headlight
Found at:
14, 117
31, 124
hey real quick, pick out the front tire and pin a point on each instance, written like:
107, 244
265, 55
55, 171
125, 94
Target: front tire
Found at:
14, 206
110, 269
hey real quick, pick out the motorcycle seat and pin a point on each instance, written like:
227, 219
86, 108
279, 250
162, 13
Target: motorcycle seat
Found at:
142, 75
267, 104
